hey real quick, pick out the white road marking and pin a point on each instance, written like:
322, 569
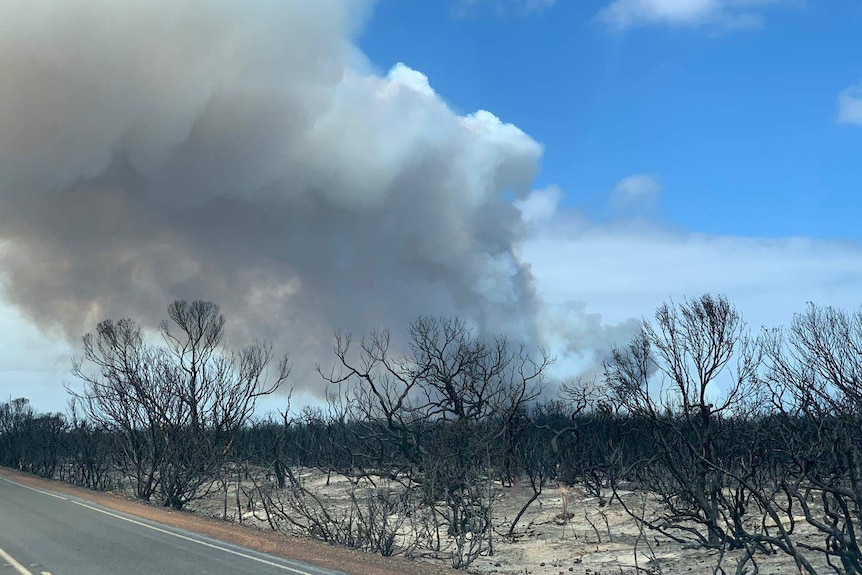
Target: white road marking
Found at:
34, 489
153, 527
193, 540
45, 573
15, 565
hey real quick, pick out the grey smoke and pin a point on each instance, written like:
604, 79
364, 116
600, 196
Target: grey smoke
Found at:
247, 153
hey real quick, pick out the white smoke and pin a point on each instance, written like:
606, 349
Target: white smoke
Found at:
246, 153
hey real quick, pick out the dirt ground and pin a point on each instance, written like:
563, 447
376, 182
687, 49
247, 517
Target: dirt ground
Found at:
591, 540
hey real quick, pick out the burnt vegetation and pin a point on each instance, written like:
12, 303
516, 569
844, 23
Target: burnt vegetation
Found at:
749, 443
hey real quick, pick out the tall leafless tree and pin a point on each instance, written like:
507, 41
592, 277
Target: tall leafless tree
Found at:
695, 365
177, 406
440, 407
815, 377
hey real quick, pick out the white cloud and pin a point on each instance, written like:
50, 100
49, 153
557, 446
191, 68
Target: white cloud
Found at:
623, 272
595, 282
625, 14
850, 105
636, 190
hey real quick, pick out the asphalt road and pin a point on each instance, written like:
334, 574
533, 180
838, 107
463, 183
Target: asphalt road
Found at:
44, 533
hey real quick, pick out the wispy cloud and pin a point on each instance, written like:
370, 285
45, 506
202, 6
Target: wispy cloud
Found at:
636, 190
728, 14
850, 105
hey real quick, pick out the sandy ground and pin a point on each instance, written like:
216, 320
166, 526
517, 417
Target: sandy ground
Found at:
591, 540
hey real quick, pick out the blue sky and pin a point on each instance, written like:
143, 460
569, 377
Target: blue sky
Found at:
661, 149
736, 120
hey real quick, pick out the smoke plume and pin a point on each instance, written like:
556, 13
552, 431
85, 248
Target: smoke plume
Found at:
246, 153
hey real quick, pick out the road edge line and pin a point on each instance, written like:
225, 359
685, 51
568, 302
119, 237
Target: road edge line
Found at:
193, 540
15, 565
42, 491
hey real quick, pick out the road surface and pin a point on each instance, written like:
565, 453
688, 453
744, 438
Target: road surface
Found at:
43, 533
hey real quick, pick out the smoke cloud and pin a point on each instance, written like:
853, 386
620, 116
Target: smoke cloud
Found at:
247, 153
